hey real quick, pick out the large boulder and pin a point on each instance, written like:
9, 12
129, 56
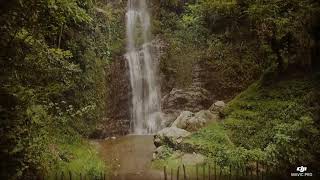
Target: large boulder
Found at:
191, 99
192, 122
171, 136
183, 119
201, 119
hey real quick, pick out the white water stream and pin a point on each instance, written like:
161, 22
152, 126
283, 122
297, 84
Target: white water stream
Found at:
143, 70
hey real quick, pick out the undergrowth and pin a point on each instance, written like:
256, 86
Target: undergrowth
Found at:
276, 125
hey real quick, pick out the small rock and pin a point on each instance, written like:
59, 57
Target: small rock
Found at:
157, 141
179, 140
219, 104
217, 107
113, 138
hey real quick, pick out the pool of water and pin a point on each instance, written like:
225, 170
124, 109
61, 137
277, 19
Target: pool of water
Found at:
130, 157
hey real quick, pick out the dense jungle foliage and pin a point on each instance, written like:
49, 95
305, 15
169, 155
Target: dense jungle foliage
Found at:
54, 58
276, 44
275, 125
237, 40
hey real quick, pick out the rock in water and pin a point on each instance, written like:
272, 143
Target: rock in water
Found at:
171, 136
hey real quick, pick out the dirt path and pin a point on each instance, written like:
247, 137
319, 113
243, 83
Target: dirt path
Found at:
130, 157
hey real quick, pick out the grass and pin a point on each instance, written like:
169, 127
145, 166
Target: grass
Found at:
85, 159
212, 138
79, 157
275, 119
252, 115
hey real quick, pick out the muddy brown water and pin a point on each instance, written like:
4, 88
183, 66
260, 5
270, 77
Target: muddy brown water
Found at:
129, 157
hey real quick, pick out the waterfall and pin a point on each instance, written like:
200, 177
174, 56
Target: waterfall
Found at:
145, 112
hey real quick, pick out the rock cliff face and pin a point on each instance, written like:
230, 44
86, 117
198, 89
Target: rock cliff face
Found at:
194, 98
118, 98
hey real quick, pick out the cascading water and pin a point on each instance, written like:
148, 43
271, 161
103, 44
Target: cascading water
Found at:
144, 85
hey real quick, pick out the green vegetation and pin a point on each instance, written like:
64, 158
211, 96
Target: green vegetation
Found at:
272, 44
281, 119
236, 41
53, 86
80, 158
55, 60
276, 125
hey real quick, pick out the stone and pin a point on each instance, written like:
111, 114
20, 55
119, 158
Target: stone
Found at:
191, 99
179, 140
157, 141
200, 119
154, 156
182, 120
171, 136
168, 118
192, 122
217, 107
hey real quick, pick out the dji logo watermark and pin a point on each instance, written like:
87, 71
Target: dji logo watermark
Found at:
301, 169
302, 172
